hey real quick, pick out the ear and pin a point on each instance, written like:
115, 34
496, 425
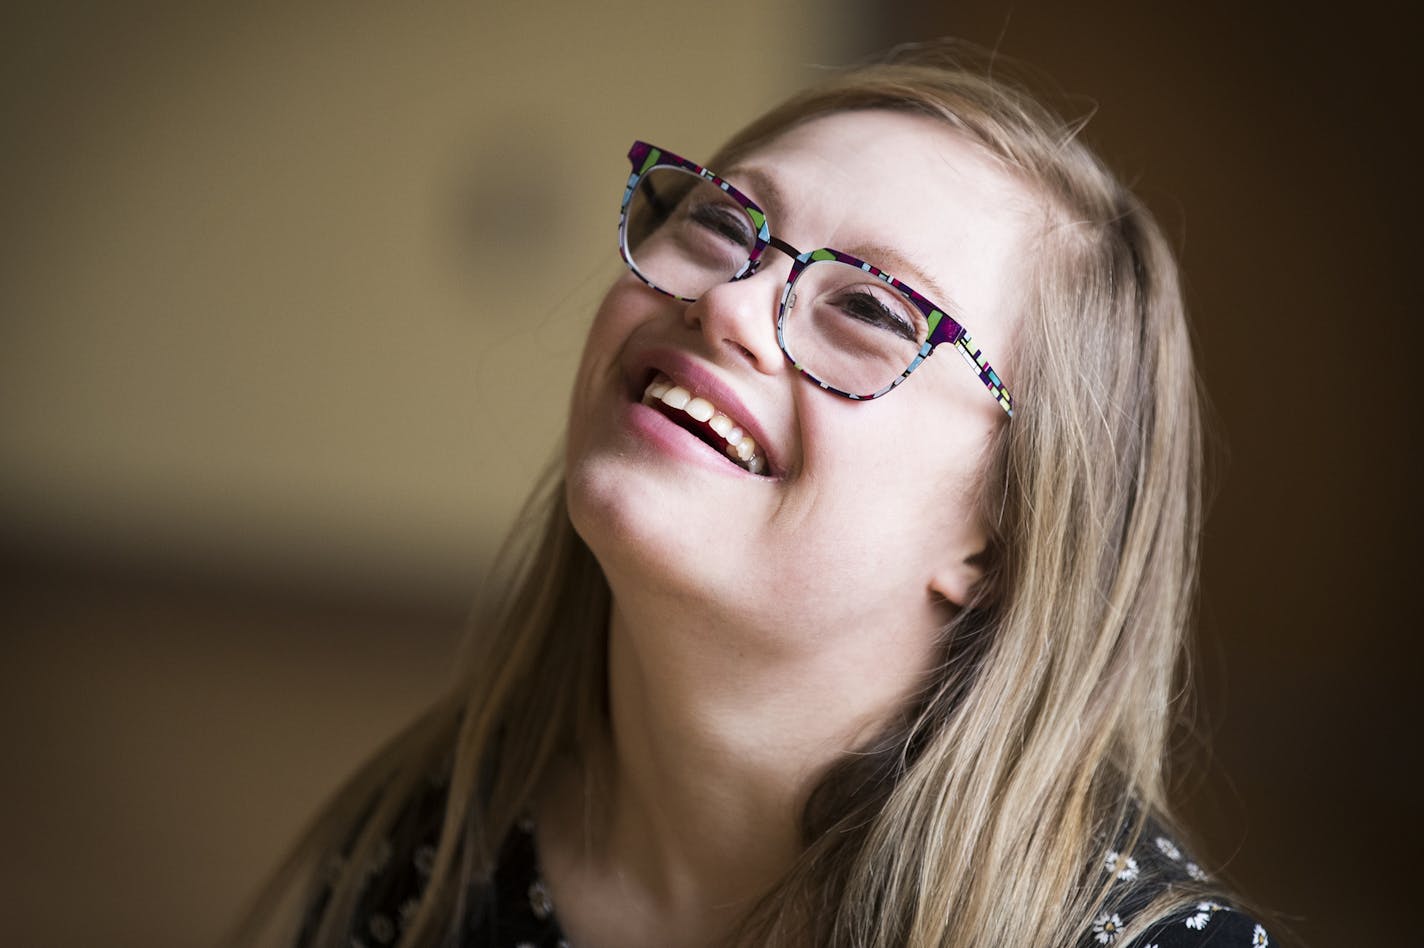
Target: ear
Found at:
958, 580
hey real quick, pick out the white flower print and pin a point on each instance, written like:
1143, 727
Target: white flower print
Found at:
1124, 869
1106, 928
539, 900
1202, 915
1169, 849
408, 909
1196, 872
1259, 939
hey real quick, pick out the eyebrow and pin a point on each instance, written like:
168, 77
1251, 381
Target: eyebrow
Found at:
899, 265
763, 188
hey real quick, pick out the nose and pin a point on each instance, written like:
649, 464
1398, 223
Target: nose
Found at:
740, 316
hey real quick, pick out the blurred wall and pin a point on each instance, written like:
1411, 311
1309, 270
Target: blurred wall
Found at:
1274, 142
290, 300
299, 287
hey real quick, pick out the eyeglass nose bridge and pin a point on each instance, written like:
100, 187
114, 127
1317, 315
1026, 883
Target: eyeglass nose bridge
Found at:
774, 242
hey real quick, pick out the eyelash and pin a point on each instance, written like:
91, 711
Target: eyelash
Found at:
883, 314
723, 221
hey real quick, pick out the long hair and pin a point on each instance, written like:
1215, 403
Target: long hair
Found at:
981, 815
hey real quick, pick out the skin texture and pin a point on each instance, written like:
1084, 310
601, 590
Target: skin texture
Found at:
762, 626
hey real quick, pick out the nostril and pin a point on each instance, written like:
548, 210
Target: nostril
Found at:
739, 318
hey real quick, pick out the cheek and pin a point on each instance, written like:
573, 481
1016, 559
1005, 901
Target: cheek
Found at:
897, 489
625, 308
613, 322
597, 381
863, 485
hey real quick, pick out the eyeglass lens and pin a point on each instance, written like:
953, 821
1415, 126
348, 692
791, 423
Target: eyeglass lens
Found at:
849, 329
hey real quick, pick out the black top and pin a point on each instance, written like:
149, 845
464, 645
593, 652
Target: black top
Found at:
517, 912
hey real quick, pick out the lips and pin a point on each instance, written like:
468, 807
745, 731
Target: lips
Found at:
699, 415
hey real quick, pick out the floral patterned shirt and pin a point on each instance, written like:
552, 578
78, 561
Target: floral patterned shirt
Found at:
1138, 876
517, 911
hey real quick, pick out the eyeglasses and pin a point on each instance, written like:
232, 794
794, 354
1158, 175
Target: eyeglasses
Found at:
848, 326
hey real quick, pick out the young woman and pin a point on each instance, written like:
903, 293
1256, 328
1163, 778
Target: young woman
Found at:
854, 614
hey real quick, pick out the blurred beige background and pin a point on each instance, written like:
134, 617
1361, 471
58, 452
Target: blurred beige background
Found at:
290, 295
299, 287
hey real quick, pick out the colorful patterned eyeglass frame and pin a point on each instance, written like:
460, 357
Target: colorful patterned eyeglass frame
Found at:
942, 328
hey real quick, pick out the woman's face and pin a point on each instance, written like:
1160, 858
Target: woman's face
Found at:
867, 512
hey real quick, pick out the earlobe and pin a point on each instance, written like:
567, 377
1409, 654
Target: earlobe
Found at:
960, 582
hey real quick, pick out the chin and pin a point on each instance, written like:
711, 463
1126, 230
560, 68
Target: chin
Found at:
652, 544
630, 522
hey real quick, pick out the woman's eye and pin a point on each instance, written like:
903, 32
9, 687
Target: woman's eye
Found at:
725, 221
869, 308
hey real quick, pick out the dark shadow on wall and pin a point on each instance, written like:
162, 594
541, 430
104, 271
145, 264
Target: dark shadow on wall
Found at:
1272, 143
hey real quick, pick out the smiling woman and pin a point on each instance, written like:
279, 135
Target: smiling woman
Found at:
826, 638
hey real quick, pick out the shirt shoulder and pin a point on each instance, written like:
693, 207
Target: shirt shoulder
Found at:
1207, 924
1154, 865
392, 878
511, 908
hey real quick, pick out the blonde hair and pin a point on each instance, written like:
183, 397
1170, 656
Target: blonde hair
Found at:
983, 814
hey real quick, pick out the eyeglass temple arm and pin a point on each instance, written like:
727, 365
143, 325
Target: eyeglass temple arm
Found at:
945, 329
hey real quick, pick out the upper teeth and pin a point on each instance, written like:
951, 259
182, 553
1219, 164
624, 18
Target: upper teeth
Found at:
740, 446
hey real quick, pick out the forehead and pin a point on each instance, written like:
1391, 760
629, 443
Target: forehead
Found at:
908, 193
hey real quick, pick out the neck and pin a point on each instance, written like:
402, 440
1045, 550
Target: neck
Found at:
717, 735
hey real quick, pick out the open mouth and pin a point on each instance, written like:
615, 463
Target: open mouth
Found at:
705, 421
